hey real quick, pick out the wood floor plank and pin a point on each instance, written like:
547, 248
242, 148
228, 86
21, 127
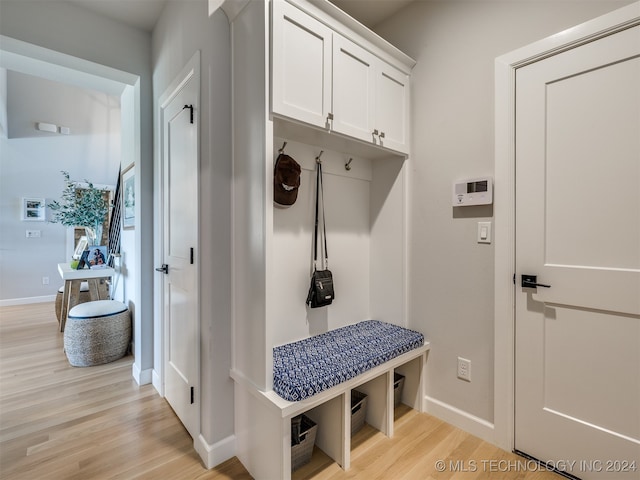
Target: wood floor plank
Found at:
58, 422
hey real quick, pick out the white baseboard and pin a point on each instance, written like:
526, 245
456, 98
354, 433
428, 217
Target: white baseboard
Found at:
156, 381
461, 419
217, 453
142, 377
27, 300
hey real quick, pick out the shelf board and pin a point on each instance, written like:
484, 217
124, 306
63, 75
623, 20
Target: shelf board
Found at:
289, 409
311, 135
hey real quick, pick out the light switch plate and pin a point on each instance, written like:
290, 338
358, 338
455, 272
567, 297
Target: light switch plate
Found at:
484, 232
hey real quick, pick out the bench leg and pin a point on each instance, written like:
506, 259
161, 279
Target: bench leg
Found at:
263, 438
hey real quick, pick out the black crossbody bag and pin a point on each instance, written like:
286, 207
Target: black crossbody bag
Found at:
321, 291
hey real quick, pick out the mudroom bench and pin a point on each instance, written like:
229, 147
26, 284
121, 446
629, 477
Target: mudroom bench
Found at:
317, 375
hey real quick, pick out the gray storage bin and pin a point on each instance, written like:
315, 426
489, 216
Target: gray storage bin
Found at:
398, 384
358, 410
302, 451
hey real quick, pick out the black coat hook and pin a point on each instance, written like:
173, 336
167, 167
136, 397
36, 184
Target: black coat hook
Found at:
347, 166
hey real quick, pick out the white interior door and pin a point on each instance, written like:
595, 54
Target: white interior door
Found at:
577, 345
180, 220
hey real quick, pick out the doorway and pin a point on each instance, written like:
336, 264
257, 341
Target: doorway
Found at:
179, 263
576, 333
35, 60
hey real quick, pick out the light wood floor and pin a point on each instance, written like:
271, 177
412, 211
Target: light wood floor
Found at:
61, 422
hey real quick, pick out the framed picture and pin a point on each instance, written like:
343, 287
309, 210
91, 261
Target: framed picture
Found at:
83, 260
128, 184
33, 209
97, 257
81, 247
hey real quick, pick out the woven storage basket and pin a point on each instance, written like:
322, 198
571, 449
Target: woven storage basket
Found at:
97, 332
84, 296
358, 410
301, 453
398, 384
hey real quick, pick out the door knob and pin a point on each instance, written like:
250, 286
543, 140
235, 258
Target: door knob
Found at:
164, 269
531, 281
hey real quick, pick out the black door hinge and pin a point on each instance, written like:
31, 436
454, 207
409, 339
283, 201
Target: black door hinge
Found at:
192, 395
190, 107
191, 255
514, 278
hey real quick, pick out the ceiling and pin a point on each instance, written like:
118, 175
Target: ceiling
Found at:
144, 14
371, 12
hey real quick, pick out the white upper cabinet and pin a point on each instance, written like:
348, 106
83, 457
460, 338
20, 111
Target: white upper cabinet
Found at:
322, 78
301, 66
392, 108
354, 93
370, 97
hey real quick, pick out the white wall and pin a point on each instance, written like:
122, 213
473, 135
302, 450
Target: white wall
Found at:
364, 245
30, 167
34, 99
452, 277
3, 102
347, 204
184, 28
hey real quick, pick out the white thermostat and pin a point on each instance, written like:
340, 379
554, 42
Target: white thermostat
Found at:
473, 191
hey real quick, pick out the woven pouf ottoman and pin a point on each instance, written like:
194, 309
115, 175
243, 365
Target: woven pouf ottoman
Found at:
97, 332
84, 296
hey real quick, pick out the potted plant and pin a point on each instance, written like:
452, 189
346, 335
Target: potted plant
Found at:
81, 207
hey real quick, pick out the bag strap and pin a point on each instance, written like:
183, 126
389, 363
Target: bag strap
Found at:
320, 198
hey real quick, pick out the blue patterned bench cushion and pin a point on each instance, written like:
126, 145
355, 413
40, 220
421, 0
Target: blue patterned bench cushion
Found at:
306, 367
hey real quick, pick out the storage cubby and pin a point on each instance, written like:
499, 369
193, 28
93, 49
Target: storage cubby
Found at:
330, 419
333, 416
377, 391
412, 391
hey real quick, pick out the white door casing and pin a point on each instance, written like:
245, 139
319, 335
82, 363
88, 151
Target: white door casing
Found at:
180, 306
505, 212
577, 347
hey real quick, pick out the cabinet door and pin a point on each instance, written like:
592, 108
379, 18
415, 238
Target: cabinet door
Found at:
353, 89
392, 108
301, 65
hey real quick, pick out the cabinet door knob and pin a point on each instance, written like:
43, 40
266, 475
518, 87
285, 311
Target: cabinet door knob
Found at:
375, 132
330, 117
381, 134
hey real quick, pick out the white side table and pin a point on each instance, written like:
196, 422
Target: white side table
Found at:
72, 281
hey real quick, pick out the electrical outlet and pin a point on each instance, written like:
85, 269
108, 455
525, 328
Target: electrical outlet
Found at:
45, 280
464, 369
